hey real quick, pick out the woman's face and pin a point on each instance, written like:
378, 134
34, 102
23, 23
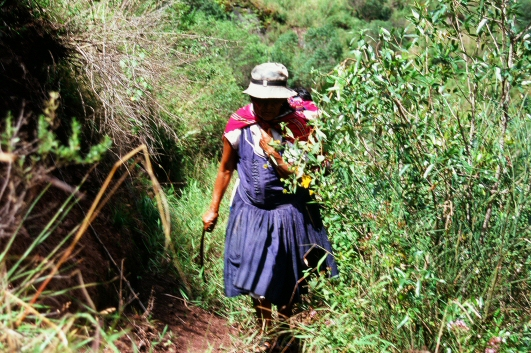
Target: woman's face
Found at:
267, 109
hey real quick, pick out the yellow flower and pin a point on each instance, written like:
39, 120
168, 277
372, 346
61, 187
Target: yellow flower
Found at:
311, 192
306, 180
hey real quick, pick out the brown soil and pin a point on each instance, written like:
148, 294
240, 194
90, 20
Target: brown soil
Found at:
192, 329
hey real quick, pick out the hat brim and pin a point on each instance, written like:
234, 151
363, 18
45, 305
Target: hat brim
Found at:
266, 92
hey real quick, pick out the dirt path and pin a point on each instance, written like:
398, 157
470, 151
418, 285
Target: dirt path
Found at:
175, 325
194, 329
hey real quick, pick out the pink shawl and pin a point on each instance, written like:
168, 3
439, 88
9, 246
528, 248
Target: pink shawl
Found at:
296, 122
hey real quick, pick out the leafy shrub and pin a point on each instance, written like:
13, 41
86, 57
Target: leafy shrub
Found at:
208, 7
427, 201
285, 49
342, 20
374, 10
322, 49
523, 13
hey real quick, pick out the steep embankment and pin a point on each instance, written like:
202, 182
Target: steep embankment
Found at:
32, 66
45, 193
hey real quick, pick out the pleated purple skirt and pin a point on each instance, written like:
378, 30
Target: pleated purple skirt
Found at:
268, 250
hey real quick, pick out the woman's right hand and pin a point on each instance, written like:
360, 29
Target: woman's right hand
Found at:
210, 219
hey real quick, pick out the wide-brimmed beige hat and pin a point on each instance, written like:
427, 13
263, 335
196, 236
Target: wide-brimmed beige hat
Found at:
269, 80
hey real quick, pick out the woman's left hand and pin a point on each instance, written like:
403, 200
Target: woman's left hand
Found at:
282, 167
265, 140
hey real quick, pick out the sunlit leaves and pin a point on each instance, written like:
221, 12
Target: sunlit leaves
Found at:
50, 146
425, 160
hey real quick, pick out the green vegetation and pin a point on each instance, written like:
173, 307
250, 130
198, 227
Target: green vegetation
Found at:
29, 164
428, 199
426, 130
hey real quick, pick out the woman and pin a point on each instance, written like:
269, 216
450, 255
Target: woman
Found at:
272, 236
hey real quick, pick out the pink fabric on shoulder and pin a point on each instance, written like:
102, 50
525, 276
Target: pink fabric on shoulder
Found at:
296, 122
241, 118
300, 105
310, 105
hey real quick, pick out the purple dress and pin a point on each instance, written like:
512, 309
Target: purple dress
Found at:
272, 237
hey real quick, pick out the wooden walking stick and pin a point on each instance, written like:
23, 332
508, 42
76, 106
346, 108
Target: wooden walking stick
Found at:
202, 255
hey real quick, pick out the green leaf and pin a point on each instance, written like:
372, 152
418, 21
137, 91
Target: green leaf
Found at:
403, 322
428, 170
481, 24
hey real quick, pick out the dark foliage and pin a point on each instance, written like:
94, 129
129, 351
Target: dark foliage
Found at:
29, 54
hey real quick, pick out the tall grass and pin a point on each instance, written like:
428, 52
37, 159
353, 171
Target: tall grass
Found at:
46, 329
27, 181
120, 54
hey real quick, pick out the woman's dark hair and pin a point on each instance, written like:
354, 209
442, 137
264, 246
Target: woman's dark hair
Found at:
303, 93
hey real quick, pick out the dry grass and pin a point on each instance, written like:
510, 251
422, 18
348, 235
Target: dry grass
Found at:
122, 53
17, 188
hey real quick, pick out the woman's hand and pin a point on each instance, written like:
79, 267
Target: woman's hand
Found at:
226, 167
265, 140
279, 164
210, 219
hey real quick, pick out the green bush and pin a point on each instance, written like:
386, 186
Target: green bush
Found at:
342, 20
210, 8
374, 10
285, 49
428, 199
322, 50
524, 13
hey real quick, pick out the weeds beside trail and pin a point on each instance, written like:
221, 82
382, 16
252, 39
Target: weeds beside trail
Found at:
27, 167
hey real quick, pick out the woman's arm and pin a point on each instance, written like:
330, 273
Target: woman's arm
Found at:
226, 167
283, 168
